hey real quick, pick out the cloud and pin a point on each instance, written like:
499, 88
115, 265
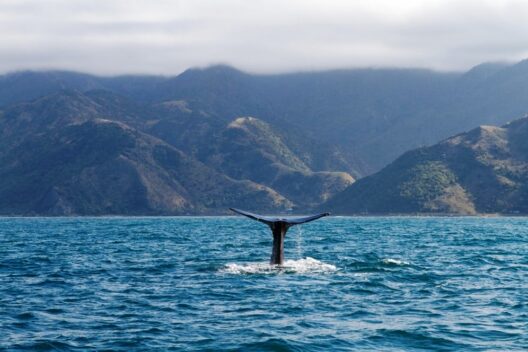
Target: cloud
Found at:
167, 37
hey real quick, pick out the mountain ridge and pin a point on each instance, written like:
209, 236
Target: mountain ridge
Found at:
367, 113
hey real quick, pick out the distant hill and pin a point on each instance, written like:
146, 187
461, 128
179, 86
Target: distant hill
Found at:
97, 153
248, 148
481, 171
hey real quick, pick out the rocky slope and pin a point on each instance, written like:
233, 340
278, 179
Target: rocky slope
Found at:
482, 171
248, 148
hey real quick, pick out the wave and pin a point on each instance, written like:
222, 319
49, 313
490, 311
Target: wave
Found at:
306, 265
395, 261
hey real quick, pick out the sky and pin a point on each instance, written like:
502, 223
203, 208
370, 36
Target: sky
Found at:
110, 37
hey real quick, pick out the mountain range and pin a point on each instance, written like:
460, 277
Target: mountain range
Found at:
79, 144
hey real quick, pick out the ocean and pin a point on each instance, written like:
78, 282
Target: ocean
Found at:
203, 284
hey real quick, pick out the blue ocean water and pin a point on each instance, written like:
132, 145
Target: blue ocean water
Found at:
126, 284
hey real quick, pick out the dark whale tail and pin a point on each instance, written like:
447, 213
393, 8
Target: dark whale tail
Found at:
279, 227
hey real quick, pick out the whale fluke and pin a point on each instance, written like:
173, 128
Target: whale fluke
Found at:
279, 226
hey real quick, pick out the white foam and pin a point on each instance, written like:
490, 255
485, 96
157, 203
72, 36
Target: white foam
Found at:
395, 261
301, 266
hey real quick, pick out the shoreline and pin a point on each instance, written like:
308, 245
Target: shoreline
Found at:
118, 216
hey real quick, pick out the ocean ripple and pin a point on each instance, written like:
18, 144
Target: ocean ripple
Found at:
195, 284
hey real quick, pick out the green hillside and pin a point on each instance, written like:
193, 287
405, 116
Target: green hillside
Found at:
482, 171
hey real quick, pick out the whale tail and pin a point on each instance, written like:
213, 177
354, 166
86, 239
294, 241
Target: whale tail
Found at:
290, 221
279, 227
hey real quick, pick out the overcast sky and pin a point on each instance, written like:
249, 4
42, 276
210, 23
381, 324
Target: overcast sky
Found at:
167, 37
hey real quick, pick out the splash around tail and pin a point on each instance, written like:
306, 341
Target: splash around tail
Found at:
301, 266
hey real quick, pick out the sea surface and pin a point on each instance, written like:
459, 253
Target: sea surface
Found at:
203, 284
